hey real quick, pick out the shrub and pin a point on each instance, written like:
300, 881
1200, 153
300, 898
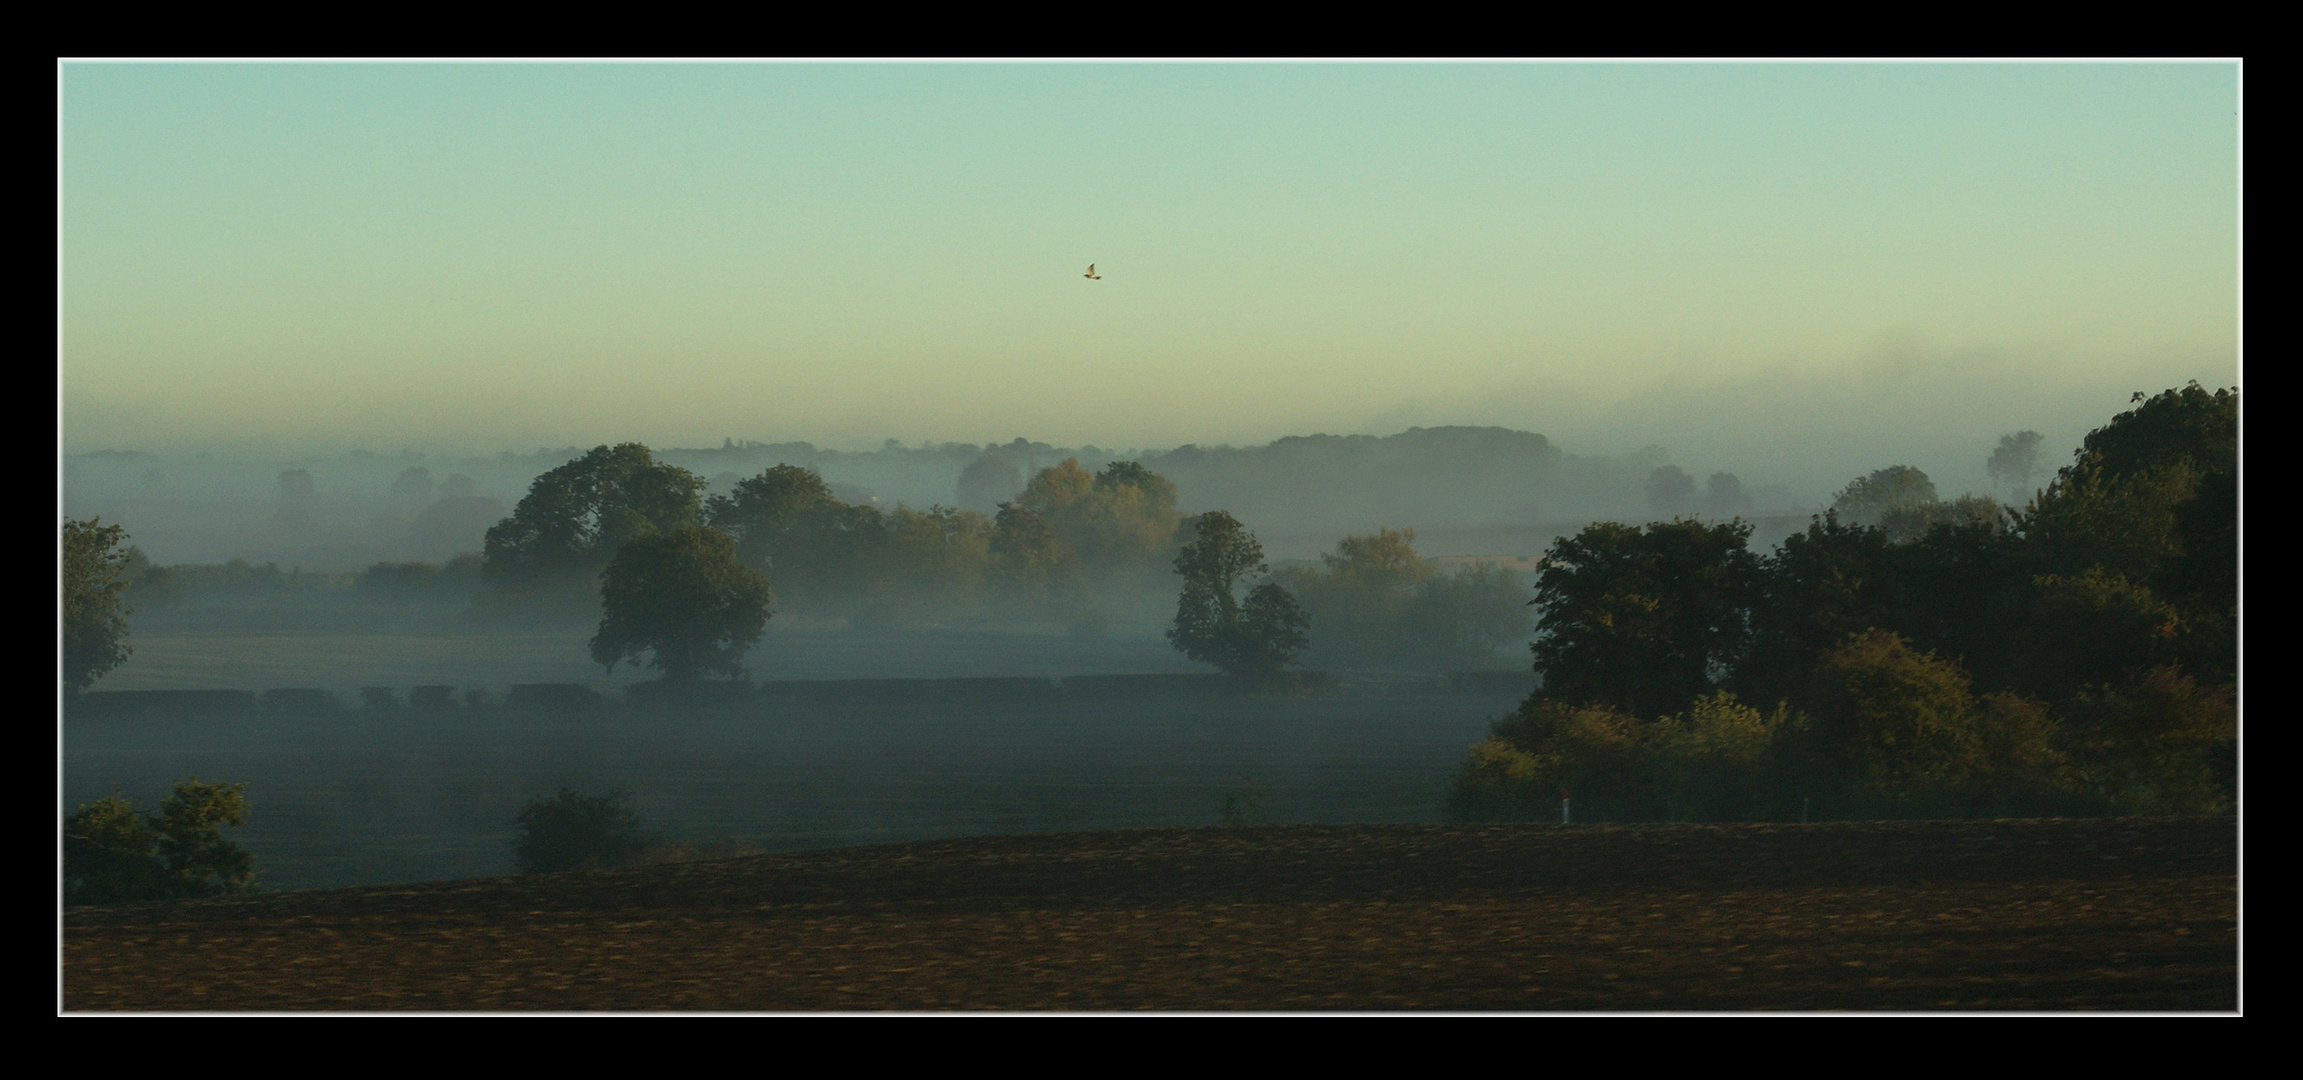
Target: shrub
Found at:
1711, 762
571, 830
113, 854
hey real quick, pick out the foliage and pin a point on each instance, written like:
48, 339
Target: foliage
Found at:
682, 597
1121, 521
1710, 763
113, 854
572, 830
1724, 495
1028, 560
1376, 601
2015, 462
2156, 743
1670, 491
576, 517
1867, 499
1911, 522
763, 510
2120, 503
95, 616
1644, 619
1255, 638
1897, 730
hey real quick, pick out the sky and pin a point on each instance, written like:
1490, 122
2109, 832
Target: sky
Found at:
1793, 271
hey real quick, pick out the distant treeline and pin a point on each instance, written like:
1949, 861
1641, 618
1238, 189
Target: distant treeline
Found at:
1903, 655
1072, 545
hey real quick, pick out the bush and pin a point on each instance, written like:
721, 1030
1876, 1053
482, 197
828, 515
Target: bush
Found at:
114, 855
571, 830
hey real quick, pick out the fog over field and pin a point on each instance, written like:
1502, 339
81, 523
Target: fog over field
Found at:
832, 453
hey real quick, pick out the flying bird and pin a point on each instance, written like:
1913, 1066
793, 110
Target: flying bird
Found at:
1091, 274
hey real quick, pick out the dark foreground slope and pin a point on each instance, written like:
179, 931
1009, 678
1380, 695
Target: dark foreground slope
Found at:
2117, 914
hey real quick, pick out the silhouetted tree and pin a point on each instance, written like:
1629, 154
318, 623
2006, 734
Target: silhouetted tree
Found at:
1868, 498
988, 481
1670, 491
683, 598
1643, 619
762, 510
575, 517
95, 615
2015, 462
1254, 638
1724, 495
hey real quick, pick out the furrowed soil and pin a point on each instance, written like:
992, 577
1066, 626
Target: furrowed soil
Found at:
2130, 914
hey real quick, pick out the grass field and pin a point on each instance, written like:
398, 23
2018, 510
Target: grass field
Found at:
2026, 915
181, 659
365, 798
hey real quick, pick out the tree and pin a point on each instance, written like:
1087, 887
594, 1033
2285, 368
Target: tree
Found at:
2015, 462
1867, 499
113, 854
1724, 495
1376, 600
1890, 726
1670, 491
570, 830
764, 508
1644, 619
95, 614
575, 518
1255, 638
684, 598
1120, 522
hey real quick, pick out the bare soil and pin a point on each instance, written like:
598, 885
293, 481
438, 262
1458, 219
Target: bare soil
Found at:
2136, 914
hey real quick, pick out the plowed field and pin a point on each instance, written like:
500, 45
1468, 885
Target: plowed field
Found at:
2041, 915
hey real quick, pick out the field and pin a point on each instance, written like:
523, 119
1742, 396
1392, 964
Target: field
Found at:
2021, 915
369, 798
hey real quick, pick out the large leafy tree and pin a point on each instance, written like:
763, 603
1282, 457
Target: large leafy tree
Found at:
762, 511
95, 614
2153, 497
1255, 637
682, 598
575, 518
1644, 619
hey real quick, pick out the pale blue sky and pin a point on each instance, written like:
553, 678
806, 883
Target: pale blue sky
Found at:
1754, 266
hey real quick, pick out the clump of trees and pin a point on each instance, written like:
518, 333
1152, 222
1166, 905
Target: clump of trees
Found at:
114, 854
2077, 656
1375, 601
1067, 535
1255, 637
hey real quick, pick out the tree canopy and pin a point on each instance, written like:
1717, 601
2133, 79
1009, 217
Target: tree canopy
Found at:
1255, 638
575, 517
1643, 619
95, 613
682, 598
